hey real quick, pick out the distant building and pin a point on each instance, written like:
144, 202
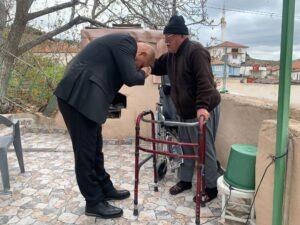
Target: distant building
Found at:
218, 69
295, 74
273, 71
296, 70
258, 71
236, 52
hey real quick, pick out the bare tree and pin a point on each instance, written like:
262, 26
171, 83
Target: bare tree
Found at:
155, 13
12, 47
151, 13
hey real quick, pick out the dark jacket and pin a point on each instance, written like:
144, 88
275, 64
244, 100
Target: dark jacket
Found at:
192, 81
97, 73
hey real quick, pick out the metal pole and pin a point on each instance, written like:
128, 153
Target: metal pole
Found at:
283, 108
224, 89
174, 7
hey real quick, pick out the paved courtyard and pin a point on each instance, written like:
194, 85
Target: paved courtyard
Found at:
48, 194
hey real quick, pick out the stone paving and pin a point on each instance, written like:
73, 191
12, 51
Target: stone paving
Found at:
48, 194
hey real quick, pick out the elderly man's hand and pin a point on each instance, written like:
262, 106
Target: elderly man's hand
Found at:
147, 71
203, 112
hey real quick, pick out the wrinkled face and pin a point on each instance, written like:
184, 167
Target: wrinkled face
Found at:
173, 41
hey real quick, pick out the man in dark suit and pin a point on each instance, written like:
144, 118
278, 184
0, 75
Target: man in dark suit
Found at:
88, 87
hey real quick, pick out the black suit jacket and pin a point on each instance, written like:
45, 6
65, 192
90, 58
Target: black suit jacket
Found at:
97, 73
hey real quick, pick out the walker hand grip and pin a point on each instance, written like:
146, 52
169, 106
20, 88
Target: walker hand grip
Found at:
202, 122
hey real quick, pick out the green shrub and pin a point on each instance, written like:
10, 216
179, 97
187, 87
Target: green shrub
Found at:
33, 82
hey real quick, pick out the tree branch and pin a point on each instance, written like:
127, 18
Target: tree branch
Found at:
72, 13
39, 40
95, 6
103, 9
131, 8
46, 11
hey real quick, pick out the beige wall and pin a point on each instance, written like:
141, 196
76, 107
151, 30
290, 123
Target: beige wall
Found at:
240, 121
247, 120
264, 199
139, 98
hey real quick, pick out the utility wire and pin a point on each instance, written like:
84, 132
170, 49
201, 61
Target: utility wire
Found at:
274, 158
262, 13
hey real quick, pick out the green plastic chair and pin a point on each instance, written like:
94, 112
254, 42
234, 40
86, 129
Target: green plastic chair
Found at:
5, 142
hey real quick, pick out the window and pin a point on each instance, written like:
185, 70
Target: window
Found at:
219, 68
234, 50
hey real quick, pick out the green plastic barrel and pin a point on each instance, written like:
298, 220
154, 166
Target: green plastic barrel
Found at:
240, 172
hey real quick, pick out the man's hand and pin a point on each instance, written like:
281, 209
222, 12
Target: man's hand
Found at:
203, 112
147, 71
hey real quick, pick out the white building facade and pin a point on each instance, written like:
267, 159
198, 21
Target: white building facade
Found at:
236, 53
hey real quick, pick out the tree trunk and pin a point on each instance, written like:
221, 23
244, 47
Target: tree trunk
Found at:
5, 71
3, 17
10, 48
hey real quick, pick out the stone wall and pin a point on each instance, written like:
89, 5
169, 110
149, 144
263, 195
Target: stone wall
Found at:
240, 120
264, 199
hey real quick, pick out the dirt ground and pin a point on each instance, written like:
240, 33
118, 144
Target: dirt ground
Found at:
263, 91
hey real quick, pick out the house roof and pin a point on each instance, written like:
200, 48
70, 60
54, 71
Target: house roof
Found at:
275, 68
56, 47
295, 66
216, 62
229, 44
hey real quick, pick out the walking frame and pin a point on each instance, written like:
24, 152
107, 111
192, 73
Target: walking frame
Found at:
199, 157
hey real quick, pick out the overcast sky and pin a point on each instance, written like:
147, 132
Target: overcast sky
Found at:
262, 33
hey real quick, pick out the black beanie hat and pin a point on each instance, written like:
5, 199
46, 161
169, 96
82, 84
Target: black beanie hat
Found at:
176, 25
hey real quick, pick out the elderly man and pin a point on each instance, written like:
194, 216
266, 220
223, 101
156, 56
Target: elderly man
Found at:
194, 94
89, 86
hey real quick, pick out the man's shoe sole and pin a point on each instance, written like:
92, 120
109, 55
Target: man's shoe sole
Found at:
103, 216
119, 198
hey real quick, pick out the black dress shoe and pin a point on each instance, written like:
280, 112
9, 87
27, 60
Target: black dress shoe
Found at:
104, 210
117, 195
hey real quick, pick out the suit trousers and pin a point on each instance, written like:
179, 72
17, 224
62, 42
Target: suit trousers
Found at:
86, 136
190, 134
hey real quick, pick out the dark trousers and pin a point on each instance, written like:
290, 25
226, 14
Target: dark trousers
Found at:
86, 136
